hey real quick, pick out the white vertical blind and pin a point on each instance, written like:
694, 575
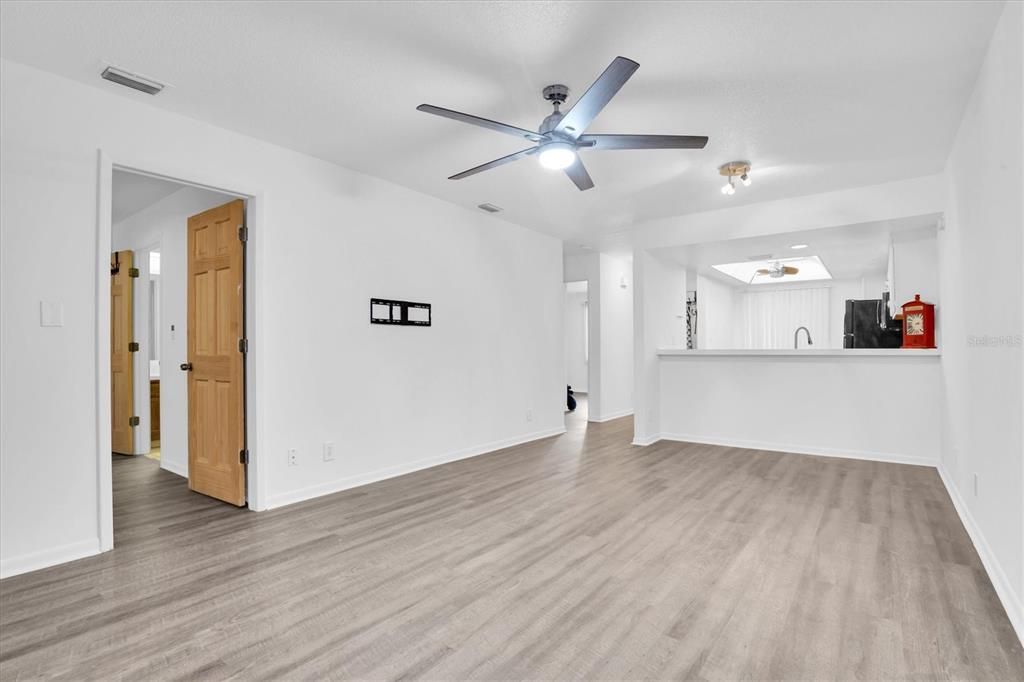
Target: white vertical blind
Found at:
769, 318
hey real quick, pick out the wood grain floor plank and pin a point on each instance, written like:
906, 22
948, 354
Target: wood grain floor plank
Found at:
575, 557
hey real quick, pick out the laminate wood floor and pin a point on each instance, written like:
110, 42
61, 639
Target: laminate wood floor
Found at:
578, 556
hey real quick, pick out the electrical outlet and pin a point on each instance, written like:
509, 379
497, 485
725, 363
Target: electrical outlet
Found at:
529, 415
293, 458
975, 484
328, 452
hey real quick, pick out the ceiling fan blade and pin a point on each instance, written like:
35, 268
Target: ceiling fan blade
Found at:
762, 271
596, 97
790, 270
482, 122
644, 141
494, 164
579, 175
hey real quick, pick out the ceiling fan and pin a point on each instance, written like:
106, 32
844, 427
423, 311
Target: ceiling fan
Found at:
560, 135
777, 269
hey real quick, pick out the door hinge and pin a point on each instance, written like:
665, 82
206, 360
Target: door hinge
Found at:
133, 421
243, 233
243, 345
133, 347
133, 272
243, 456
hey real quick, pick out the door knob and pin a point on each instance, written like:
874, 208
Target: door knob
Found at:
186, 366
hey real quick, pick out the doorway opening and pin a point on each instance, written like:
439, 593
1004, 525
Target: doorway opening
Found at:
178, 339
577, 352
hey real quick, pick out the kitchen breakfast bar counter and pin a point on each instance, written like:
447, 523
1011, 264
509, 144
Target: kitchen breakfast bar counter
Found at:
810, 352
878, 404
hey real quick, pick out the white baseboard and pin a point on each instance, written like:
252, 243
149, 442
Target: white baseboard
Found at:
610, 416
48, 557
892, 458
174, 468
1011, 601
340, 484
646, 440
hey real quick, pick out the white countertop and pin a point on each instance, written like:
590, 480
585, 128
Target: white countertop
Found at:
806, 352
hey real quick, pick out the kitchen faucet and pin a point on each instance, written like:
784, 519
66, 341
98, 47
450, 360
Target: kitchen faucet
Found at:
796, 337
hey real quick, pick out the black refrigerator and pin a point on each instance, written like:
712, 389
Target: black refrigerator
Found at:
868, 325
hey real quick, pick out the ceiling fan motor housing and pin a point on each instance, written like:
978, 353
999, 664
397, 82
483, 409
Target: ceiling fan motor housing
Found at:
556, 94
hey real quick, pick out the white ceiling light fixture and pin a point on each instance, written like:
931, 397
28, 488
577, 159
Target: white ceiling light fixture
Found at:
557, 155
799, 246
733, 170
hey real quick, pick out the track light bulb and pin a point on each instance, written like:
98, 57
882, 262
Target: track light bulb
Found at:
745, 179
728, 188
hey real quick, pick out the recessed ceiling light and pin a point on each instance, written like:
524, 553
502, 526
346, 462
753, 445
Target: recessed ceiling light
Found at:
799, 246
490, 208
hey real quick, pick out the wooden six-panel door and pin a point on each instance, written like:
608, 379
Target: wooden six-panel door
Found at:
122, 426
216, 371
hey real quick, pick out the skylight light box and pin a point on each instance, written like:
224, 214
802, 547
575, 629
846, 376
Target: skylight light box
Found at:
809, 268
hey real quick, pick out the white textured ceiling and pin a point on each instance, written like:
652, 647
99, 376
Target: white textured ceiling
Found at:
132, 192
818, 95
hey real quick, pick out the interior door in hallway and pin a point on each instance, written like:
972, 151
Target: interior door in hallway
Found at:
122, 418
216, 361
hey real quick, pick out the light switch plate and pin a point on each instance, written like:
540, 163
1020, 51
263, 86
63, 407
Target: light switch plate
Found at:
51, 314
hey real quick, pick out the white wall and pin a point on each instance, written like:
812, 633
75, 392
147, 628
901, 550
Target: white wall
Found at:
916, 270
165, 223
980, 254
575, 340
659, 320
846, 406
924, 196
610, 377
616, 339
718, 314
391, 399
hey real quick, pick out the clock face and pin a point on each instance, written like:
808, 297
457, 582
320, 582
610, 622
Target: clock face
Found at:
915, 324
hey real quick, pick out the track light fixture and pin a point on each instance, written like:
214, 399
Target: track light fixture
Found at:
733, 170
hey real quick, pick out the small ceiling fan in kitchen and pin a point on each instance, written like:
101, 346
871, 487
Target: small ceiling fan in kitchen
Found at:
776, 270
562, 135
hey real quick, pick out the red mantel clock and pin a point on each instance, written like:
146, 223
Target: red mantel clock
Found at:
918, 324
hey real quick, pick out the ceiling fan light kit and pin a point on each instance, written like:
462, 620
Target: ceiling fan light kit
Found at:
557, 155
561, 136
733, 170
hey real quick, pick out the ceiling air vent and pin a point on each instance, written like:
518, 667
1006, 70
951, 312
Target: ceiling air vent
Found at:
130, 80
490, 208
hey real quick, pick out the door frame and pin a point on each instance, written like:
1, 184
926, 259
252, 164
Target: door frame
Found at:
107, 163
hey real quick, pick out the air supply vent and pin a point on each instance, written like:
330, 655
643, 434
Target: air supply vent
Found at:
130, 80
490, 208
